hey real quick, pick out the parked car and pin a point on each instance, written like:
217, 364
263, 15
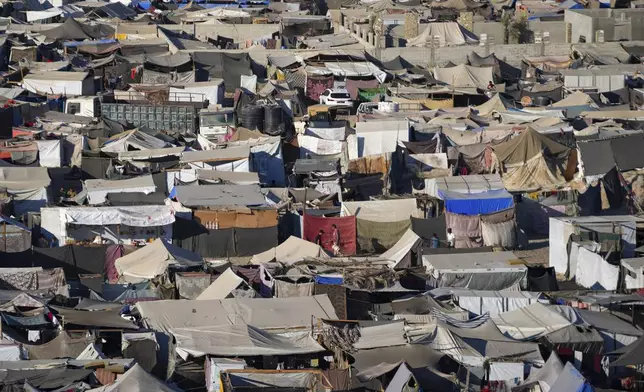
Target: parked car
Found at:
335, 97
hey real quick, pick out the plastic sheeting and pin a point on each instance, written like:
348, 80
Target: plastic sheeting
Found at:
494, 302
476, 203
394, 210
135, 379
388, 334
50, 153
242, 340
97, 190
355, 69
449, 33
380, 137
327, 133
465, 76
397, 253
138, 216
531, 322
594, 272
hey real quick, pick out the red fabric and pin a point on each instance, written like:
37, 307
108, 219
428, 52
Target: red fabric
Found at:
112, 252
19, 132
346, 226
352, 86
315, 85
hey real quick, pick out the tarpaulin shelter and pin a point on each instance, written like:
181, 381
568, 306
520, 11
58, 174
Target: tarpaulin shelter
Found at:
153, 260
15, 237
449, 34
458, 5
544, 376
227, 66
503, 71
27, 187
478, 203
98, 190
345, 225
59, 82
480, 302
570, 380
266, 313
473, 183
96, 318
132, 140
219, 195
533, 161
476, 271
292, 250
465, 76
222, 287
633, 354
495, 104
71, 29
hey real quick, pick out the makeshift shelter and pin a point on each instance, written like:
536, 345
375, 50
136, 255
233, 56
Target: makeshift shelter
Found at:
219, 195
15, 237
379, 137
630, 355
59, 82
292, 250
227, 66
475, 183
222, 287
503, 71
132, 140
533, 161
492, 105
135, 379
71, 29
465, 76
476, 271
449, 34
98, 190
27, 187
153, 260
480, 302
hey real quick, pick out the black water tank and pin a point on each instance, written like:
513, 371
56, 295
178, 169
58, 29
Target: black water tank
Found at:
273, 120
253, 117
541, 101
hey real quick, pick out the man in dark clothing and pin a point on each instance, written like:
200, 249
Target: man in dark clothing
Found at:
318, 238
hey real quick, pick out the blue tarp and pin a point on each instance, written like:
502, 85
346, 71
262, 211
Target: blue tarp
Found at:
329, 279
70, 44
476, 203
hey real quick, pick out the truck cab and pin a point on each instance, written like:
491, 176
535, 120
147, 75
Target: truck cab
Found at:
83, 106
215, 123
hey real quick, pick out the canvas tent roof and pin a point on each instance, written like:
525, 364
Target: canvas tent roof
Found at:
97, 318
633, 354
222, 286
153, 260
292, 250
570, 380
464, 76
473, 183
578, 98
494, 104
526, 146
459, 5
371, 364
24, 178
394, 210
502, 70
401, 249
265, 313
97, 190
71, 29
449, 33
133, 139
135, 379
219, 195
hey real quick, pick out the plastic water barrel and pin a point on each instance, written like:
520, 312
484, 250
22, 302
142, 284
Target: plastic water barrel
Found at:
253, 117
273, 120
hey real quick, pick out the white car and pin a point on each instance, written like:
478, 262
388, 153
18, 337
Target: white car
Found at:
335, 97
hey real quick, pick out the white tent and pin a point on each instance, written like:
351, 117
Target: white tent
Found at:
97, 190
292, 250
135, 379
379, 137
222, 287
397, 253
448, 33
133, 139
59, 82
153, 260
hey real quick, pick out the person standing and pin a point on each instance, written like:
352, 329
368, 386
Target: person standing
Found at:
335, 240
318, 238
435, 241
451, 238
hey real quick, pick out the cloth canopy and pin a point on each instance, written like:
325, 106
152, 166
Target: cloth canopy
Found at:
71, 29
24, 178
137, 216
135, 379
529, 144
97, 190
503, 71
371, 364
494, 104
153, 260
397, 253
395, 210
98, 318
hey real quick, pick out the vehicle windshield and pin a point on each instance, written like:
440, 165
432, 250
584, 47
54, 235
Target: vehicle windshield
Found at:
341, 95
215, 119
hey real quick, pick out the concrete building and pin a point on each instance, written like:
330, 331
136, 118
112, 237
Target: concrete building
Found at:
604, 25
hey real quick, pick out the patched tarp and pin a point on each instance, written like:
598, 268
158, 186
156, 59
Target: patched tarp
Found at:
62, 346
44, 379
74, 30
465, 76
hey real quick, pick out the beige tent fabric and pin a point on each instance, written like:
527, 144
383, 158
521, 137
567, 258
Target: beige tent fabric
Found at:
465, 76
577, 98
292, 250
150, 261
449, 34
222, 287
494, 104
533, 175
526, 146
62, 346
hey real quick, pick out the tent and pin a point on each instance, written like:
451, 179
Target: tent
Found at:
449, 34
480, 302
132, 140
458, 5
400, 255
544, 376
15, 237
503, 71
97, 190
533, 161
476, 271
494, 104
71, 29
292, 250
465, 76
227, 66
570, 380
630, 355
473, 183
135, 379
153, 260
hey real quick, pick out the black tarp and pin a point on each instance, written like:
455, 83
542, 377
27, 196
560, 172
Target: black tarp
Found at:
628, 152
144, 351
542, 279
252, 241
597, 157
74, 30
16, 259
428, 147
134, 199
227, 66
425, 228
633, 354
192, 236
363, 186
590, 202
74, 259
503, 71
613, 188
95, 167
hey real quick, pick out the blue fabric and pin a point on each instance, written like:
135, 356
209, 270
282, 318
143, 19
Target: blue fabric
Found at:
81, 43
435, 242
144, 5
477, 203
329, 279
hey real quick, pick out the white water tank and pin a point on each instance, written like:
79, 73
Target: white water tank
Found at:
388, 107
